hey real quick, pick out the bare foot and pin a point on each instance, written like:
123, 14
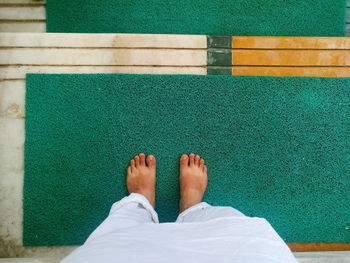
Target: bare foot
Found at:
141, 176
193, 180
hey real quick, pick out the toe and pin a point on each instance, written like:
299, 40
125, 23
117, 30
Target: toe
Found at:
151, 161
137, 161
205, 169
191, 159
129, 171
184, 160
132, 163
142, 158
201, 163
196, 160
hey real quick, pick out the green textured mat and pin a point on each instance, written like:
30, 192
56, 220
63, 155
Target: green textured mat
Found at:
216, 17
277, 148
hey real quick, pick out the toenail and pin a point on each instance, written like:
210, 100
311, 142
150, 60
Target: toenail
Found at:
184, 157
151, 157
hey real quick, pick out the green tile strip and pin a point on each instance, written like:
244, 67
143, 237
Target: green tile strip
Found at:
219, 70
219, 55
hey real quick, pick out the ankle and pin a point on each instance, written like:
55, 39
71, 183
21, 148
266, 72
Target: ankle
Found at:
190, 198
150, 197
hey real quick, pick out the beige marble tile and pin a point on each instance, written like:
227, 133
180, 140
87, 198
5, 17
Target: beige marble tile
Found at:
12, 96
12, 132
11, 182
28, 26
18, 72
96, 56
104, 40
22, 13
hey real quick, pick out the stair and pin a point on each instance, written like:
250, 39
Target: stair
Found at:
39, 52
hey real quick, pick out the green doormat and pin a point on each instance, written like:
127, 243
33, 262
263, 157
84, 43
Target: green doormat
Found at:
277, 148
216, 17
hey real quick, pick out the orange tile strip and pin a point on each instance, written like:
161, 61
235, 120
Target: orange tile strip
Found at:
304, 247
291, 57
291, 71
250, 42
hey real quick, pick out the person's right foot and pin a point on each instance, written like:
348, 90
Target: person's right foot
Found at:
193, 180
141, 176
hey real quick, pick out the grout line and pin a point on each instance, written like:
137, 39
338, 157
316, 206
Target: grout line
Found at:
11, 79
19, 5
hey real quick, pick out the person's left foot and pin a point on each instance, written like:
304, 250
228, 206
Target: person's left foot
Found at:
141, 176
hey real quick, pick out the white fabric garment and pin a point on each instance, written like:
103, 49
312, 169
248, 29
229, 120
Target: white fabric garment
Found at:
203, 233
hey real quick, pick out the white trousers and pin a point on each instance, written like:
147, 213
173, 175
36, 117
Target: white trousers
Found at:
202, 233
135, 209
